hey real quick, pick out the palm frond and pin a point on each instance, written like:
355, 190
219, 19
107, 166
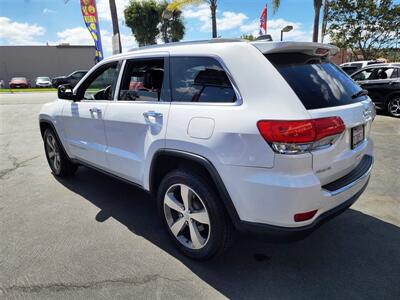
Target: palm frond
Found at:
275, 5
178, 4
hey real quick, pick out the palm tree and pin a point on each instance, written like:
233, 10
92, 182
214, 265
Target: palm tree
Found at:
317, 10
178, 4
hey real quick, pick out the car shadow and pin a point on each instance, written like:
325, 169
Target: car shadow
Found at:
353, 256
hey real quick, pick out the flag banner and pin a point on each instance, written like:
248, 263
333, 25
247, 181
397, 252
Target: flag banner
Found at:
89, 13
263, 21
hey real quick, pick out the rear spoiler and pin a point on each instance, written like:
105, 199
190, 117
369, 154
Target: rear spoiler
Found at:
309, 48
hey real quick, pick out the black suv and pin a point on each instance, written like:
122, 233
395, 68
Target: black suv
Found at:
71, 79
383, 85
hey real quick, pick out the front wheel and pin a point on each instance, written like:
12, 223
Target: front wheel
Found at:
59, 162
193, 215
393, 106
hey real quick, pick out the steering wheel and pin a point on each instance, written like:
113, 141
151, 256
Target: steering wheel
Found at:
103, 94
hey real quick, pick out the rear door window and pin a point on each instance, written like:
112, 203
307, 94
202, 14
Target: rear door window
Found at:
385, 73
200, 79
396, 73
316, 81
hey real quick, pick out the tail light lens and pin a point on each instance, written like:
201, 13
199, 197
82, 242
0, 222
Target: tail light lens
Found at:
291, 137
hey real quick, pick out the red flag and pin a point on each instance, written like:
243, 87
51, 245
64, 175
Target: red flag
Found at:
263, 21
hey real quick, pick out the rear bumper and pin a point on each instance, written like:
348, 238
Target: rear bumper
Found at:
43, 85
266, 200
279, 233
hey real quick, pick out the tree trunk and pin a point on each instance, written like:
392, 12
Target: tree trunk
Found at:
114, 18
317, 10
213, 8
324, 20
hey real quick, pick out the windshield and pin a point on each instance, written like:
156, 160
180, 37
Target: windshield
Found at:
43, 78
317, 82
349, 70
18, 78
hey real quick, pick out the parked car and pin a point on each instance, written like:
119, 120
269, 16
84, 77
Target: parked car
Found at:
19, 82
352, 67
71, 79
43, 82
261, 137
383, 85
2, 85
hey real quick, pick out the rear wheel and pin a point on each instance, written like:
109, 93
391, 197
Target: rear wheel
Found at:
393, 106
193, 215
58, 161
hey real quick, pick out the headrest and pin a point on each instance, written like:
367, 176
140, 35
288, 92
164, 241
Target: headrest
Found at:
382, 75
153, 79
212, 77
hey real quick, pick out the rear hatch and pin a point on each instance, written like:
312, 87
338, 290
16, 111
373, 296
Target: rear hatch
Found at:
326, 91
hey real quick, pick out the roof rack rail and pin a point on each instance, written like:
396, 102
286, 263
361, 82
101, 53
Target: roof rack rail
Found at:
211, 41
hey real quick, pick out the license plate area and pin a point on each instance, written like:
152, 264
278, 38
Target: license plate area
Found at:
357, 135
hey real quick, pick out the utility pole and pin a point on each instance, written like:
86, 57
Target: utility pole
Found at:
116, 39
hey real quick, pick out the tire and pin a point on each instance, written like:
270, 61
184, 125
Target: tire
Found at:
393, 106
59, 162
203, 205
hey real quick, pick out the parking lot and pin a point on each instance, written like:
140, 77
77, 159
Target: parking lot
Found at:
95, 237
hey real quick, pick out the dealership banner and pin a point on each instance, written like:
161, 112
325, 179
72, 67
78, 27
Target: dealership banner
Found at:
89, 13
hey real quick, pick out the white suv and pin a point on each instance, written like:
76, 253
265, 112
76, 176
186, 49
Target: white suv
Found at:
261, 137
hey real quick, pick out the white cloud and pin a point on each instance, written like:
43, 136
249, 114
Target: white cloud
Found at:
201, 12
228, 20
81, 36
75, 36
47, 11
15, 33
103, 9
274, 27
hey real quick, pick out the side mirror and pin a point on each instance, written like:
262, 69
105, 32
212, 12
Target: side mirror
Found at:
65, 91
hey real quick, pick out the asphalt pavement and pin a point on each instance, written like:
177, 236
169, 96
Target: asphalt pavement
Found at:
93, 237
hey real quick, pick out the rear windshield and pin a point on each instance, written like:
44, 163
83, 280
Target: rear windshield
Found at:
317, 82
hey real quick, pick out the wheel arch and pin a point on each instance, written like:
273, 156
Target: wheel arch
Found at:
46, 124
391, 96
166, 160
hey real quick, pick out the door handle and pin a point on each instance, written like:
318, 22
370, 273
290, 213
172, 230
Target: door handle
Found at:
95, 110
153, 114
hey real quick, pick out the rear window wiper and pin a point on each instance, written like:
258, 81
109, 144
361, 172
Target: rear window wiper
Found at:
359, 94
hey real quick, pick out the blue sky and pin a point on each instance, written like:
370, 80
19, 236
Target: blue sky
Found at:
35, 22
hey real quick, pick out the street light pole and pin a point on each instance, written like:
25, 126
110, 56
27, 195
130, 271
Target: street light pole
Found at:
286, 29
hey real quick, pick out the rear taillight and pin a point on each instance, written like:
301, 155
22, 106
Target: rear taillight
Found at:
292, 137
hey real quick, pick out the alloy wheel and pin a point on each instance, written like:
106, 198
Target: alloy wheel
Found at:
187, 216
53, 153
394, 107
